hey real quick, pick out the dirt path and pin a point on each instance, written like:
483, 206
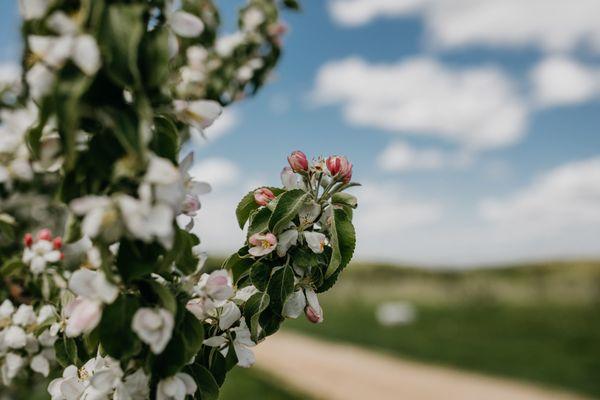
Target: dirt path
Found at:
330, 371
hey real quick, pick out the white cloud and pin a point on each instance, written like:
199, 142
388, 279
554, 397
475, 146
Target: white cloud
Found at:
477, 108
553, 25
10, 73
360, 12
567, 196
400, 157
219, 172
560, 80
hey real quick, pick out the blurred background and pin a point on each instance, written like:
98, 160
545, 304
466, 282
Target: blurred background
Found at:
474, 127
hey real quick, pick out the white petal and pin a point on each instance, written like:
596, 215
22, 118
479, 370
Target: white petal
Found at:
286, 240
244, 355
215, 341
86, 54
316, 241
294, 305
161, 171
185, 24
188, 381
40, 364
33, 9
230, 314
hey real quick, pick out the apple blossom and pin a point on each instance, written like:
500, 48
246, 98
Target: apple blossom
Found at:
316, 241
41, 252
298, 161
176, 387
33, 9
199, 113
154, 327
15, 337
229, 315
263, 196
339, 167
263, 244
83, 315
313, 309
309, 213
286, 240
11, 367
289, 179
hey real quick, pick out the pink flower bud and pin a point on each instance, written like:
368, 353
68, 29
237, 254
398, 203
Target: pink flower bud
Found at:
298, 161
28, 239
45, 234
263, 196
57, 243
340, 167
312, 315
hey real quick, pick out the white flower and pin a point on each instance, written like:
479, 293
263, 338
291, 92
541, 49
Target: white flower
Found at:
241, 344
40, 364
56, 50
229, 315
252, 18
74, 382
227, 43
135, 387
286, 240
24, 316
145, 220
39, 255
289, 179
309, 213
201, 307
45, 313
15, 337
316, 241
176, 387
294, 305
33, 9
6, 309
11, 367
217, 285
199, 113
101, 217
313, 310
154, 327
83, 315
39, 79
107, 376
185, 24
93, 285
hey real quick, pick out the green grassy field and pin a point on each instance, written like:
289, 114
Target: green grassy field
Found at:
253, 384
539, 323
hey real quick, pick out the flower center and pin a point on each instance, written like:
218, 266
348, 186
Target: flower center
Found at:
265, 244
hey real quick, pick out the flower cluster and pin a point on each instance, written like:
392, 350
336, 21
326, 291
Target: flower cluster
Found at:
121, 299
26, 339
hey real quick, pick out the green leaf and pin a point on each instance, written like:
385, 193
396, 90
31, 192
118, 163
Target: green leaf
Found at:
259, 222
165, 142
343, 241
260, 275
154, 54
66, 352
12, 266
245, 207
159, 292
252, 310
292, 4
137, 259
116, 335
238, 265
122, 34
181, 254
287, 208
280, 287
207, 384
344, 199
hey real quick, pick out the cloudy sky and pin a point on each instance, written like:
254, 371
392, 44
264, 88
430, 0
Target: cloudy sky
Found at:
474, 126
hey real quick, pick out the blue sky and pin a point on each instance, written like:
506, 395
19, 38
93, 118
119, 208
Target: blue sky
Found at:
476, 138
